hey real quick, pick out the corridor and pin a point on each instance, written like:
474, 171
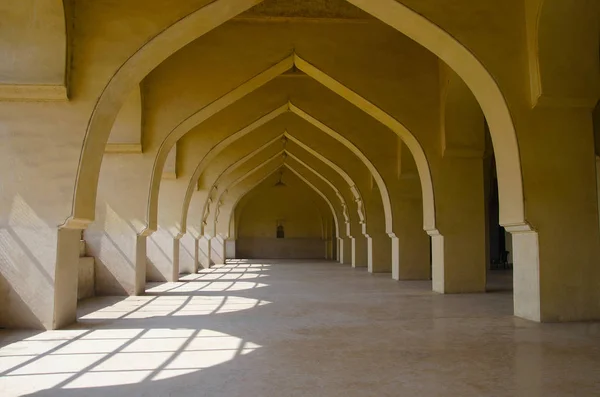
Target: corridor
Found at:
273, 328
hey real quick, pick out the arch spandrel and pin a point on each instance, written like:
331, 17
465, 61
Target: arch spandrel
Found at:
572, 29
34, 41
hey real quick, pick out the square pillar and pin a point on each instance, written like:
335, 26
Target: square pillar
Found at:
413, 243
162, 257
459, 251
65, 278
204, 247
217, 250
230, 249
175, 265
556, 254
120, 255
360, 251
380, 253
348, 249
140, 266
188, 254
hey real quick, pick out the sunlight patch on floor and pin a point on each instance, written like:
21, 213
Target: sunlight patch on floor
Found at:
160, 306
93, 358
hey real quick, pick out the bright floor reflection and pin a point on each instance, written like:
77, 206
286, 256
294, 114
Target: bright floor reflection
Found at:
153, 306
96, 357
314, 329
220, 278
93, 358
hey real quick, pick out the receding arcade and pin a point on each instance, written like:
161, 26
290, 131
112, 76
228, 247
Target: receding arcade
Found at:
161, 139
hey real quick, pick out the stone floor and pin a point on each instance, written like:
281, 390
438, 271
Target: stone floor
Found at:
263, 329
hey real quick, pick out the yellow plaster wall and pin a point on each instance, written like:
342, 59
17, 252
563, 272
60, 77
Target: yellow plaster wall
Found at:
295, 205
42, 141
33, 38
292, 204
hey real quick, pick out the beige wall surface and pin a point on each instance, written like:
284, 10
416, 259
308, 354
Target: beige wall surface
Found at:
294, 207
273, 248
394, 94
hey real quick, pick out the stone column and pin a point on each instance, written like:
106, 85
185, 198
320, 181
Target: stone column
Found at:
204, 247
65, 278
414, 259
140, 265
217, 251
163, 256
119, 251
230, 249
556, 255
461, 223
188, 254
348, 250
360, 252
176, 253
380, 253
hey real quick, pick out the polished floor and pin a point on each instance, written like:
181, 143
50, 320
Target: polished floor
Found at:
279, 329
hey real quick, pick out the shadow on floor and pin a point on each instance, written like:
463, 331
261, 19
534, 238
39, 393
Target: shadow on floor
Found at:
252, 328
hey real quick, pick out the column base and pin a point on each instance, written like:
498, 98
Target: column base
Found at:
380, 254
360, 252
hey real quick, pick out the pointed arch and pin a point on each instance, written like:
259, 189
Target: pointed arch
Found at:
246, 191
391, 12
343, 174
237, 164
262, 121
480, 82
217, 149
361, 103
383, 190
309, 184
246, 158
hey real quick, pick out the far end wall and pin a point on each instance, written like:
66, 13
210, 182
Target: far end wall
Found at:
294, 208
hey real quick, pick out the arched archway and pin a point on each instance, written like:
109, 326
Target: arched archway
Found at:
363, 104
322, 127
390, 12
396, 15
239, 189
216, 200
227, 216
